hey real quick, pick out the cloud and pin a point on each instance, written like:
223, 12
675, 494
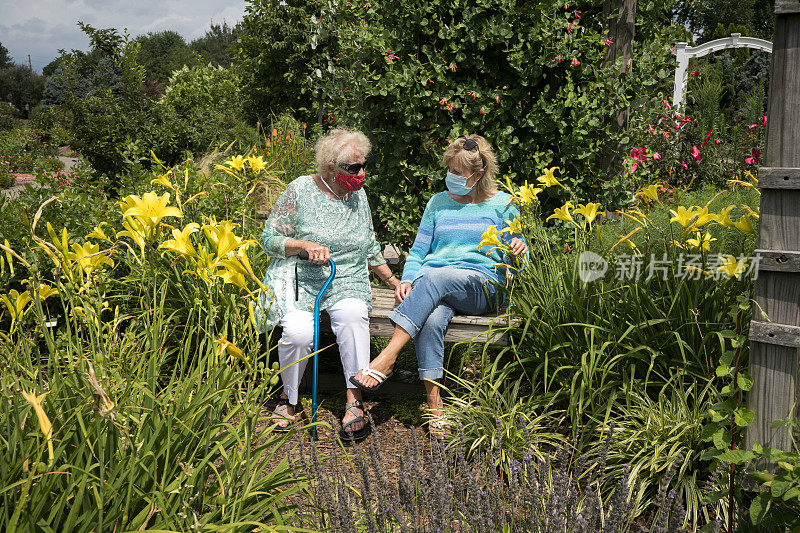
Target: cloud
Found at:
43, 27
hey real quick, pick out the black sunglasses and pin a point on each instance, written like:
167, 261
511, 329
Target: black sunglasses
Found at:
354, 168
469, 144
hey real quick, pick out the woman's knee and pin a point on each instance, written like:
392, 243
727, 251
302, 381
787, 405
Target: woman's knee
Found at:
348, 313
297, 333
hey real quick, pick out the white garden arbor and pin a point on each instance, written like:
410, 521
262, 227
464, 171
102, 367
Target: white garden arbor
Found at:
684, 52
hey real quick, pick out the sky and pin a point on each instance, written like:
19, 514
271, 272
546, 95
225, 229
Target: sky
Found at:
42, 27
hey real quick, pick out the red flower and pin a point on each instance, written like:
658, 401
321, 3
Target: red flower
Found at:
482, 111
696, 73
559, 59
757, 155
575, 62
765, 120
608, 41
695, 153
717, 141
707, 138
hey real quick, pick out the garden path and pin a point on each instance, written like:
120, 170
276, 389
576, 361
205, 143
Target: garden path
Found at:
24, 179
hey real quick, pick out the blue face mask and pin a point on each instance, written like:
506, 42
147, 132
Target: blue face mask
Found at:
457, 184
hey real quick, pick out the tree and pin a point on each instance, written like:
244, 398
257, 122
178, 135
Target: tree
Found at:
216, 46
21, 87
162, 53
282, 52
5, 59
704, 16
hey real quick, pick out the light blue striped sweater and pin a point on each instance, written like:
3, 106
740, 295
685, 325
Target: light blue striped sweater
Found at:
450, 233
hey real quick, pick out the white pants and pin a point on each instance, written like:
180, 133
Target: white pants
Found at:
350, 324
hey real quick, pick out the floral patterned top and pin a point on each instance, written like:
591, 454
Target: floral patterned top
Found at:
306, 213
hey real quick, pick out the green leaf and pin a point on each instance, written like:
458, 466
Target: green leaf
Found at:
723, 370
736, 456
779, 487
743, 417
722, 438
794, 492
744, 380
759, 507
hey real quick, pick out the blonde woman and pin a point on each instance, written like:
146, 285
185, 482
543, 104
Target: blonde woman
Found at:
445, 273
325, 214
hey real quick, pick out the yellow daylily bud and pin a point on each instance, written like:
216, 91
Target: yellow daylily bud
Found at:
627, 239
224, 345
162, 180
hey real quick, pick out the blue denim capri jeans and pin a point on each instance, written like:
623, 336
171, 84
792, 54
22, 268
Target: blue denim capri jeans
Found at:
435, 298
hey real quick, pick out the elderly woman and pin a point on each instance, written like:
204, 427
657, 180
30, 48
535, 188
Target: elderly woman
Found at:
325, 214
445, 273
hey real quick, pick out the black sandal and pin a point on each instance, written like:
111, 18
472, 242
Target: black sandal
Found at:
278, 412
347, 434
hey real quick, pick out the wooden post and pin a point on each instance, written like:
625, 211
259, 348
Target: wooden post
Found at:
775, 339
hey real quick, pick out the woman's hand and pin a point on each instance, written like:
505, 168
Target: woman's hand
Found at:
402, 291
316, 252
518, 246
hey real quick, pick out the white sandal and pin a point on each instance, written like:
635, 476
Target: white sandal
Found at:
377, 375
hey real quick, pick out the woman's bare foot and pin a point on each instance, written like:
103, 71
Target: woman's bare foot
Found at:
283, 415
352, 396
384, 364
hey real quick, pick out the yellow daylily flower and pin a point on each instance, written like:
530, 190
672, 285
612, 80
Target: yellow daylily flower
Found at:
45, 291
528, 194
752, 213
548, 179
703, 216
723, 218
16, 303
703, 243
744, 225
180, 242
515, 226
135, 230
89, 257
732, 267
163, 180
222, 237
236, 162
735, 182
256, 163
149, 209
650, 192
224, 345
589, 211
491, 237
562, 213
682, 216
239, 263
44, 423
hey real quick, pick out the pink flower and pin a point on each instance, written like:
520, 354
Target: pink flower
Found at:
608, 41
672, 50
577, 14
559, 59
717, 141
685, 166
472, 94
765, 120
652, 130
707, 138
450, 106
757, 155
695, 153
656, 155
666, 135
442, 100
575, 62
667, 104
497, 99
750, 160
430, 80
751, 127
482, 111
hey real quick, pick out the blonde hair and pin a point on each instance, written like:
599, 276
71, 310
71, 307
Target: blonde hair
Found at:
338, 145
474, 160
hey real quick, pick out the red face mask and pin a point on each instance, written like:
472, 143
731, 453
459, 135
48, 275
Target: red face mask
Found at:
349, 183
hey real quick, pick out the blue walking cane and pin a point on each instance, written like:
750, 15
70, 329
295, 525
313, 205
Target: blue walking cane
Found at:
304, 255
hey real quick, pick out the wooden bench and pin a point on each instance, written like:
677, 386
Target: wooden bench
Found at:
463, 328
